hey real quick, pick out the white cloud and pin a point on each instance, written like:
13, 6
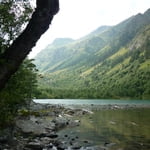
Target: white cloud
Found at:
79, 17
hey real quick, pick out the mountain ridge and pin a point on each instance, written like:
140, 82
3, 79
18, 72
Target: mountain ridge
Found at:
91, 66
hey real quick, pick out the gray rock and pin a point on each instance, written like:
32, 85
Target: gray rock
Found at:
52, 135
93, 148
60, 122
76, 146
29, 126
109, 144
36, 126
35, 146
45, 140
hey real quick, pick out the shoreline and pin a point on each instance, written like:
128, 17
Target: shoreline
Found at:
101, 104
37, 127
107, 106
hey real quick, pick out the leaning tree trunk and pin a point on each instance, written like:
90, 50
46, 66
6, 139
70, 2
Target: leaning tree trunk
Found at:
11, 59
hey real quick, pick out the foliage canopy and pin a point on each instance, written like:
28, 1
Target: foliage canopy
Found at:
14, 15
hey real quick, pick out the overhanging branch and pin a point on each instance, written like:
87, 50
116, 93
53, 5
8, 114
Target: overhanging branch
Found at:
17, 52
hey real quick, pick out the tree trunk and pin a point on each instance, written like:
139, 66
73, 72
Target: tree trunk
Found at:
11, 59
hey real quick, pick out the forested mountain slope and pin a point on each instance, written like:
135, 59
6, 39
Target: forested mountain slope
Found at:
111, 62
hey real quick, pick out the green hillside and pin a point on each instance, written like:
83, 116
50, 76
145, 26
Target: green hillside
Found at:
110, 62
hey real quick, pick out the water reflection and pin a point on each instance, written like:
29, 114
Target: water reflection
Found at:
115, 129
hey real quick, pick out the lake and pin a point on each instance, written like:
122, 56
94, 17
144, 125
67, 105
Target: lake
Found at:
92, 101
112, 129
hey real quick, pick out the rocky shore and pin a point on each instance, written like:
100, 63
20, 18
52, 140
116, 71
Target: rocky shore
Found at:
36, 129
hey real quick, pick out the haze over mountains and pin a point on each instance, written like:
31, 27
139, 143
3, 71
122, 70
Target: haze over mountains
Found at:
110, 62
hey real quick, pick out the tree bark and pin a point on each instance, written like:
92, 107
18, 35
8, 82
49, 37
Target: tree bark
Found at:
11, 59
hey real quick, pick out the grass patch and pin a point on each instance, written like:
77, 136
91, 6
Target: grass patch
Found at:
145, 65
121, 52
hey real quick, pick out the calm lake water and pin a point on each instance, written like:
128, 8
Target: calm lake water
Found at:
92, 101
112, 129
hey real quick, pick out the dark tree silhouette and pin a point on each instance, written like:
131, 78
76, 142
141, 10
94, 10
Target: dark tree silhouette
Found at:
20, 48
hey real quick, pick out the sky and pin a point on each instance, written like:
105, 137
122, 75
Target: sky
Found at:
77, 18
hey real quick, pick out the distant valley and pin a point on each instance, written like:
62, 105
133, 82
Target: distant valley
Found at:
111, 62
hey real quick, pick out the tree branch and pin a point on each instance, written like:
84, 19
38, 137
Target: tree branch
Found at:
11, 59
